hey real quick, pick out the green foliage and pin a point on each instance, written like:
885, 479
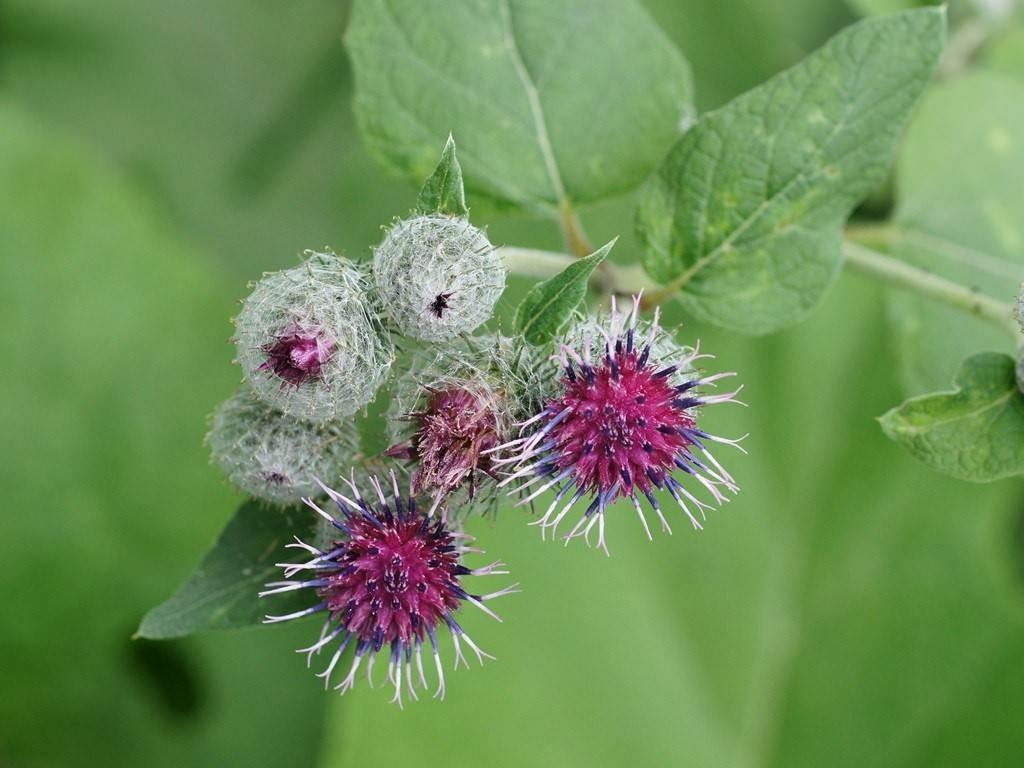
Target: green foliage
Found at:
975, 433
443, 191
221, 592
116, 331
548, 307
958, 215
745, 214
551, 99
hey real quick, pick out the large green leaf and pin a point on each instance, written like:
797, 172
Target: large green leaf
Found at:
745, 214
113, 338
975, 433
550, 100
848, 608
222, 592
960, 199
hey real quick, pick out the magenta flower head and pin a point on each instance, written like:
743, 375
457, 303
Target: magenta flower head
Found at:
389, 579
622, 422
298, 354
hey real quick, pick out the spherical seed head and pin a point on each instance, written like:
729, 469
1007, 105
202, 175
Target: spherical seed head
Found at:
309, 340
438, 277
390, 578
622, 423
274, 457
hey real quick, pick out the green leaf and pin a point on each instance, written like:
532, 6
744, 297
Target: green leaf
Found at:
975, 433
745, 214
551, 99
958, 215
443, 192
547, 308
817, 610
118, 327
222, 592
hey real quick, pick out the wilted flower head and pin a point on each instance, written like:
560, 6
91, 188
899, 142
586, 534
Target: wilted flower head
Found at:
388, 580
453, 435
622, 424
438, 276
454, 407
309, 340
275, 457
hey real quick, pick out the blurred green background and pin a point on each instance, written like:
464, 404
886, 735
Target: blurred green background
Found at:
848, 608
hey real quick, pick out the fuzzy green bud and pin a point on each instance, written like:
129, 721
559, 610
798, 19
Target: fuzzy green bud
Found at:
438, 277
310, 342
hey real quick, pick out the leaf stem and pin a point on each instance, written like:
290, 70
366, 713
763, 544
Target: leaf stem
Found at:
613, 278
576, 241
900, 274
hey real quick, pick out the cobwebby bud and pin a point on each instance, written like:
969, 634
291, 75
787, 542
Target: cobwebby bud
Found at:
309, 340
275, 457
438, 277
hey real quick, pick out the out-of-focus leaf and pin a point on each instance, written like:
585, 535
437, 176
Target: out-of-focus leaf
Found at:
549, 305
959, 215
443, 191
875, 7
550, 99
116, 332
1005, 54
222, 592
975, 433
745, 213
850, 607
237, 117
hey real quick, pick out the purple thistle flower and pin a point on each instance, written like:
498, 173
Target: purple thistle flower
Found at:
621, 426
297, 354
390, 579
454, 434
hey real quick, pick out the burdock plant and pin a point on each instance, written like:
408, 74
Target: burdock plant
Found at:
580, 403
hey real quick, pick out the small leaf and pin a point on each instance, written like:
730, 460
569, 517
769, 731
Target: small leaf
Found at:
975, 433
551, 101
443, 192
222, 592
546, 309
745, 214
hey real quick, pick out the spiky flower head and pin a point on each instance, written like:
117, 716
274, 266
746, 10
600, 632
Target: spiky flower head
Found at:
276, 457
438, 276
390, 578
309, 340
623, 423
454, 408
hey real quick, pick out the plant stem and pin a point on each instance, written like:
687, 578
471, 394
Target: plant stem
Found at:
631, 279
899, 274
611, 278
575, 238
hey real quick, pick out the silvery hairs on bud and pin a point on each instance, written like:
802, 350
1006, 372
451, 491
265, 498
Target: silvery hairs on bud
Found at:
275, 457
310, 342
438, 276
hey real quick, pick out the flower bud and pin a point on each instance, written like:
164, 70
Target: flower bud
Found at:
309, 340
437, 276
275, 457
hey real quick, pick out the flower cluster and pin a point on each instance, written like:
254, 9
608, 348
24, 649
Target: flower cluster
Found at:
609, 410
